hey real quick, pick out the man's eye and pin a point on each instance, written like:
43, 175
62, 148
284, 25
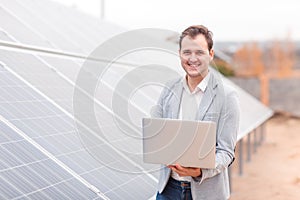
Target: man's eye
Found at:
200, 52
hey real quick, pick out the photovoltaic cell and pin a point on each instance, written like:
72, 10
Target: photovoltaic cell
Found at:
40, 75
74, 34
20, 31
26, 173
52, 33
55, 131
4, 36
50, 83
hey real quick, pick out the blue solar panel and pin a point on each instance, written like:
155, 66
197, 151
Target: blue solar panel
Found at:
25, 172
19, 30
5, 36
55, 130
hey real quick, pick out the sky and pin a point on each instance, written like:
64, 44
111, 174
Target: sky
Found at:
230, 20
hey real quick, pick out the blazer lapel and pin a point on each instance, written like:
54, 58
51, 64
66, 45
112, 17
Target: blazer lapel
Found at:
208, 97
175, 104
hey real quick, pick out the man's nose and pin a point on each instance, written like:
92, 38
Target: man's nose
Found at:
193, 57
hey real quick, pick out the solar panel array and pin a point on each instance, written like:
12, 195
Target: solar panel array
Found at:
27, 119
42, 156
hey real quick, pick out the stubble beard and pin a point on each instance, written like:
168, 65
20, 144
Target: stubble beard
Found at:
197, 73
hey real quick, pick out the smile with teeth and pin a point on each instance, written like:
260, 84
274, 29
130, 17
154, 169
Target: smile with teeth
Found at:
193, 65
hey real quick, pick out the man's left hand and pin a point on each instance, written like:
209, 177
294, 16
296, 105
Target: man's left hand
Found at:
185, 171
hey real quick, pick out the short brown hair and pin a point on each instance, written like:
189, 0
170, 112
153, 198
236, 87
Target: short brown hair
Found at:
195, 30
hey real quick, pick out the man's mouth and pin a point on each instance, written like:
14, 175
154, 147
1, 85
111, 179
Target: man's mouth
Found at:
195, 66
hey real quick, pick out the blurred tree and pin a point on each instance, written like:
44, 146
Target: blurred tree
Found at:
281, 58
223, 67
276, 61
248, 60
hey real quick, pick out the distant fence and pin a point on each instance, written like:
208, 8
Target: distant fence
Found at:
283, 92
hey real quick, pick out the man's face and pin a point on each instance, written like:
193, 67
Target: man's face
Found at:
195, 56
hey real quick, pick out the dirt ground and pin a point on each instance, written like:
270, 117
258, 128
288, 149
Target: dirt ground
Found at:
274, 170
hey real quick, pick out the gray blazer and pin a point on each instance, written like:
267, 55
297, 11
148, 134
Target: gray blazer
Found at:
219, 104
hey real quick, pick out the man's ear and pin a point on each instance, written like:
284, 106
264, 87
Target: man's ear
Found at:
212, 54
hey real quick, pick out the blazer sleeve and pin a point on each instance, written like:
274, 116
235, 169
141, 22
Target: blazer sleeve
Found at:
227, 131
157, 110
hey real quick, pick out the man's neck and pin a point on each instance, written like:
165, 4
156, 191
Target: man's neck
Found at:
192, 82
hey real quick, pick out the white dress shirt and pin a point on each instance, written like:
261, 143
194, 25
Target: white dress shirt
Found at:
190, 101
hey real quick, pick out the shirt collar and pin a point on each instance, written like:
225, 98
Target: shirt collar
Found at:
200, 87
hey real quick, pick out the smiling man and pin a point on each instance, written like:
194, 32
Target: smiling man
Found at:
199, 95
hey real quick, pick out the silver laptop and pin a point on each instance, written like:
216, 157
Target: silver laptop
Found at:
188, 143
